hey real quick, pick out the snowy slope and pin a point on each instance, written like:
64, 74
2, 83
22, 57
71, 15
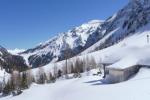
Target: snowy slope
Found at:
90, 88
122, 24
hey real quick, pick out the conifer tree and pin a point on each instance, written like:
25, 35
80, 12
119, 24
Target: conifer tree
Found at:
24, 81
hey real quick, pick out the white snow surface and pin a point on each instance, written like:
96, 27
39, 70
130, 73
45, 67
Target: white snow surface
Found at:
3, 74
90, 88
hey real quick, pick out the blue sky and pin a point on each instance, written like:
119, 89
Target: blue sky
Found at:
25, 23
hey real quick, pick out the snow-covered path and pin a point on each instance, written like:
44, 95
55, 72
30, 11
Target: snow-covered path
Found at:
90, 88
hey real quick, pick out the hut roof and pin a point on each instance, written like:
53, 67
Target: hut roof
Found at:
140, 57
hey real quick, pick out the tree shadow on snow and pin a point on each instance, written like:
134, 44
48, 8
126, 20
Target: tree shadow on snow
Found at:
93, 81
97, 82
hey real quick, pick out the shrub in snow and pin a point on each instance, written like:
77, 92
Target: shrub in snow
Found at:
59, 73
7, 88
50, 78
16, 92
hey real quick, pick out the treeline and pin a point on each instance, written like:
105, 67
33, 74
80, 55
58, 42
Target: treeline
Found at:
23, 80
80, 65
18, 81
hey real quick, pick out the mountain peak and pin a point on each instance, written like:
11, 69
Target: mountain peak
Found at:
95, 21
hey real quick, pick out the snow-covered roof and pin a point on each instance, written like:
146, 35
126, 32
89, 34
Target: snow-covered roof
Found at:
140, 56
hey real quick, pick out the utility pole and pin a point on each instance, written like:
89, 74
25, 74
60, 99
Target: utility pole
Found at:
104, 67
147, 39
66, 66
3, 86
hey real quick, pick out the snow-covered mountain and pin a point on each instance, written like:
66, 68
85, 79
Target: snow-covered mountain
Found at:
92, 36
131, 49
124, 23
76, 40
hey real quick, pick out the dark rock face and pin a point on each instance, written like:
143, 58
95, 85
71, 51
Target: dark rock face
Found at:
37, 61
10, 62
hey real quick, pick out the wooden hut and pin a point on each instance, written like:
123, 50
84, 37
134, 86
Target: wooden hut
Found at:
115, 75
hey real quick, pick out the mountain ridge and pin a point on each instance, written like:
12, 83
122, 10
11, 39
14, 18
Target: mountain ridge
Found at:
76, 39
91, 36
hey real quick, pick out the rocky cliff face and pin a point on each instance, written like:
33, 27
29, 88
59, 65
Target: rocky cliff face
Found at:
9, 61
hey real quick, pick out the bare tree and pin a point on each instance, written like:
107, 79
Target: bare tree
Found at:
16, 78
24, 80
90, 63
41, 76
55, 70
30, 77
78, 67
87, 66
51, 79
68, 53
72, 70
